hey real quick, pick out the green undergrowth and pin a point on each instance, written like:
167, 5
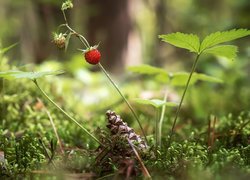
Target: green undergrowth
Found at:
31, 150
227, 157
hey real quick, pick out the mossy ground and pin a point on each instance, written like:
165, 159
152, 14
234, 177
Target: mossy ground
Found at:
29, 147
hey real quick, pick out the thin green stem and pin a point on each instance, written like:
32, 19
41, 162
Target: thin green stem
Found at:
80, 37
162, 117
157, 137
183, 95
2, 106
66, 114
64, 16
124, 98
59, 27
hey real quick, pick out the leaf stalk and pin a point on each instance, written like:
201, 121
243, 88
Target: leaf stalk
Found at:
182, 97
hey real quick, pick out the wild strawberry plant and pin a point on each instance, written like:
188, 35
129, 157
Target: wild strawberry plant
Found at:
92, 56
211, 44
123, 143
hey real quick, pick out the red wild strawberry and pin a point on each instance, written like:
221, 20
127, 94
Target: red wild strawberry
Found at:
92, 56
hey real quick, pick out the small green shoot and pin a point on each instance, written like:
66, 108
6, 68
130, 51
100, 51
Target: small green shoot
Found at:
157, 104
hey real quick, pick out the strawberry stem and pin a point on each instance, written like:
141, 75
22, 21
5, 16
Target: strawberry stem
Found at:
124, 98
66, 114
81, 37
64, 16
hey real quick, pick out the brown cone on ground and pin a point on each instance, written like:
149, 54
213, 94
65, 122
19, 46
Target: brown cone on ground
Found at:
116, 150
117, 126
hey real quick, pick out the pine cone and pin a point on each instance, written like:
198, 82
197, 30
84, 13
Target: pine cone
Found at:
117, 150
118, 127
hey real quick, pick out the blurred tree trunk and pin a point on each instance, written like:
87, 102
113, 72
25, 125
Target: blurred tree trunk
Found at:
110, 24
36, 36
163, 27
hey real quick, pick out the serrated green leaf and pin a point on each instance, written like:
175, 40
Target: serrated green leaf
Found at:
190, 42
147, 69
180, 78
227, 51
157, 103
221, 37
28, 75
4, 50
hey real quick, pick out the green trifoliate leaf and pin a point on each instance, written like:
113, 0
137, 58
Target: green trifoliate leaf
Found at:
190, 42
146, 69
227, 51
221, 37
157, 103
28, 75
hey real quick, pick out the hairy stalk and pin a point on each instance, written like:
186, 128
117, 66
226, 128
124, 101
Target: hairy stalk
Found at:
124, 98
162, 118
183, 95
81, 38
66, 114
64, 16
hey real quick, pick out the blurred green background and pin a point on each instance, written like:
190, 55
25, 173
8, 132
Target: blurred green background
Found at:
128, 34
